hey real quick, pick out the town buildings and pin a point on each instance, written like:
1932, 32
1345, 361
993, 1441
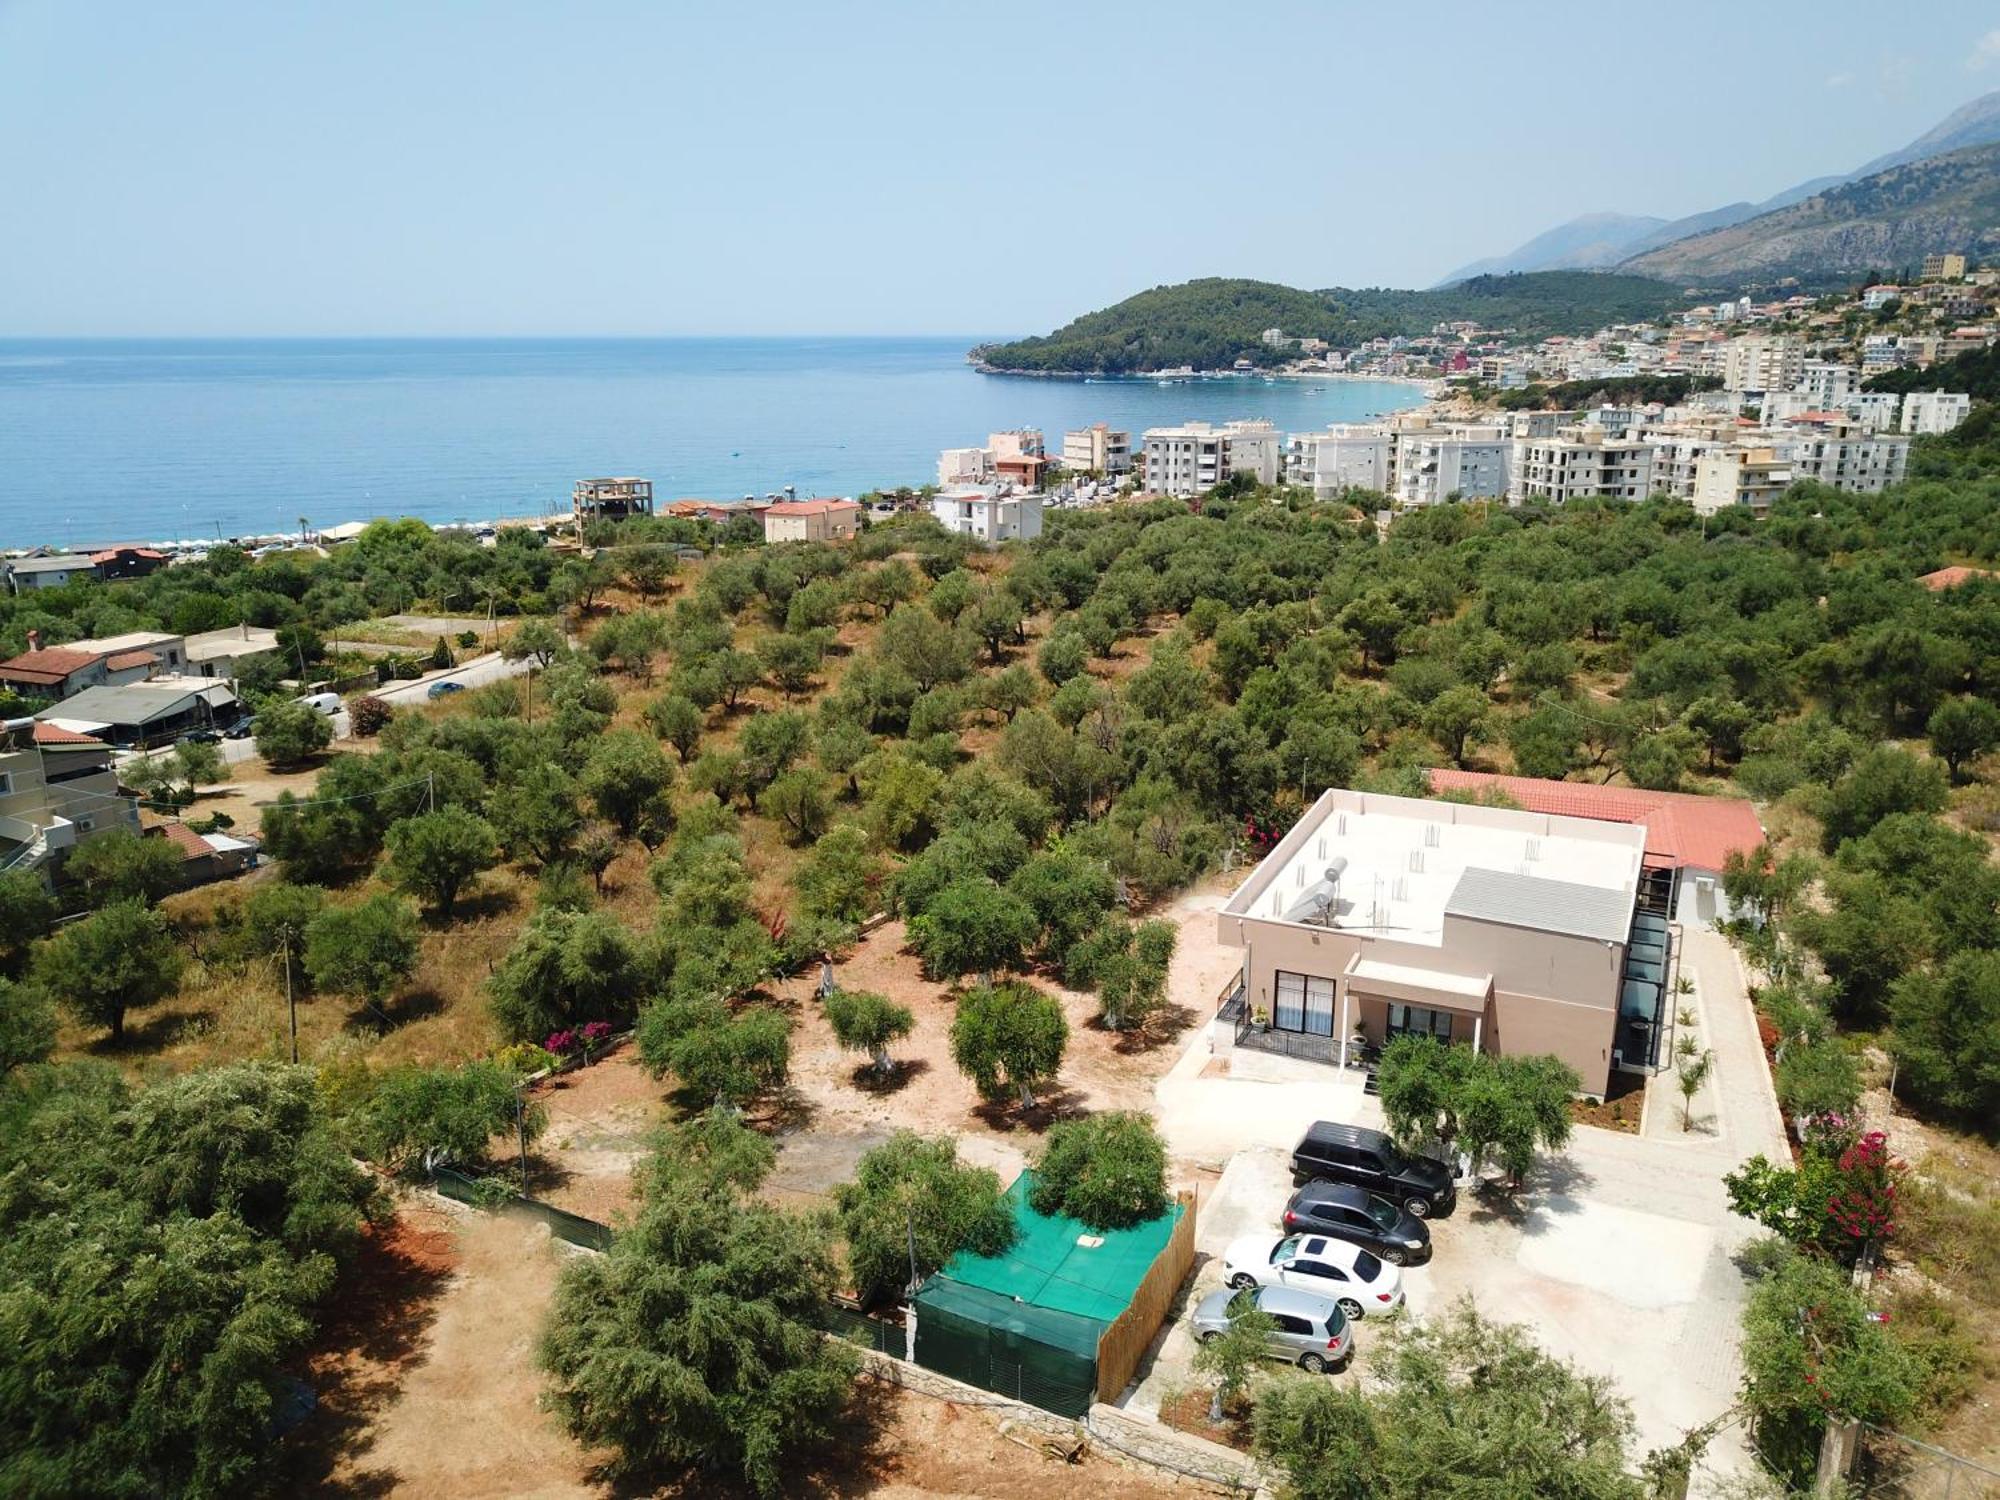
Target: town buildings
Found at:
1546, 927
58, 788
223, 654
994, 514
1746, 476
1097, 449
1945, 266
1934, 411
49, 571
611, 499
812, 520
140, 715
1582, 462
1341, 458
1458, 462
1193, 459
60, 671
1763, 362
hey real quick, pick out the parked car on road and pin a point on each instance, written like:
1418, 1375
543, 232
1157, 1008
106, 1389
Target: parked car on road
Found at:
1359, 1281
202, 736
1312, 1331
444, 689
242, 729
327, 703
1361, 1218
1330, 1152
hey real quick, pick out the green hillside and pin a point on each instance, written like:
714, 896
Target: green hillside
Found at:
1216, 321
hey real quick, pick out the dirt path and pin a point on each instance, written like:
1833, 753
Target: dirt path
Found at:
463, 1423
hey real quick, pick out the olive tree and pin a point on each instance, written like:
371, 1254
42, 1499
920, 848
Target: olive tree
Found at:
1009, 1038
864, 1021
118, 959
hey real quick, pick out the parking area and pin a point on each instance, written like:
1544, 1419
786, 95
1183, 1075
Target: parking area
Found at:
1616, 1253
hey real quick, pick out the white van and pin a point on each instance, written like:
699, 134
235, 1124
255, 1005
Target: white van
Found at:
327, 703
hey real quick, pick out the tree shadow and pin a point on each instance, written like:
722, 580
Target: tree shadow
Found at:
394, 1014
158, 1030
1157, 1030
480, 902
1006, 1115
902, 1072
372, 1336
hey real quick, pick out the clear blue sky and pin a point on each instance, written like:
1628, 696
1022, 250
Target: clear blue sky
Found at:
429, 167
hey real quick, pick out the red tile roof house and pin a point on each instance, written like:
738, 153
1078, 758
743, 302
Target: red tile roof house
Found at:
1688, 838
1951, 578
52, 672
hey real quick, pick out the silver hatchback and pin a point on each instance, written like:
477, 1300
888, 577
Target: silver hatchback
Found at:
1312, 1332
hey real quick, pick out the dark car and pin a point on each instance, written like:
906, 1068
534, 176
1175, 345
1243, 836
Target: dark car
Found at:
202, 736
1368, 1159
242, 729
1361, 1218
444, 689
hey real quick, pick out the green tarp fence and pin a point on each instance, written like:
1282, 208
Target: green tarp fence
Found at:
573, 1228
1034, 1354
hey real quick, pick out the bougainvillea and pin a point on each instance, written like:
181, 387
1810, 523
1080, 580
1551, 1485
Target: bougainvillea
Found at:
1863, 1206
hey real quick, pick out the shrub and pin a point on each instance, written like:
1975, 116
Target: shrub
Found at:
913, 1199
369, 715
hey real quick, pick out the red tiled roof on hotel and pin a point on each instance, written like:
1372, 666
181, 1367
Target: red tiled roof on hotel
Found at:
1681, 829
127, 659
54, 734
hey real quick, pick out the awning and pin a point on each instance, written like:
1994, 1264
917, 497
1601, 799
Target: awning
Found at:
1413, 986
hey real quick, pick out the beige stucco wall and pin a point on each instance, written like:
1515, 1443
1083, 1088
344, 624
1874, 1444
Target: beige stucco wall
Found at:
1551, 993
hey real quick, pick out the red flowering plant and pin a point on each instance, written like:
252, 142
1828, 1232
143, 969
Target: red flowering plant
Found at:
563, 1042
593, 1036
1862, 1205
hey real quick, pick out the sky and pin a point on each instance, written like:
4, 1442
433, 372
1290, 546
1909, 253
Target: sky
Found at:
382, 167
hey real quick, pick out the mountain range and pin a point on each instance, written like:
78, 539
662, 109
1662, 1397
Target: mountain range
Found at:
1600, 240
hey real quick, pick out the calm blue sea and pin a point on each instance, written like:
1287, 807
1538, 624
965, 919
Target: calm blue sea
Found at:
108, 440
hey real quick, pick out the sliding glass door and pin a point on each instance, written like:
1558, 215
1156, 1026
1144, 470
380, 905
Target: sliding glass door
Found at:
1304, 1004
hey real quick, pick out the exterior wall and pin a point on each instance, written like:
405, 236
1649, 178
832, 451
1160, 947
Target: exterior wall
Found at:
1340, 459
1934, 411
1551, 993
819, 526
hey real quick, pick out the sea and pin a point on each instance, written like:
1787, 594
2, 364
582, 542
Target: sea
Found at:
156, 440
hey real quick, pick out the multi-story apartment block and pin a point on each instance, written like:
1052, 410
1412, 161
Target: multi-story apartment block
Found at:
1875, 298
58, 788
1751, 477
1781, 406
1826, 383
1881, 351
1581, 463
1935, 411
1763, 362
957, 466
989, 515
1944, 267
1343, 457
1097, 449
1846, 455
1875, 410
1022, 442
1193, 459
1462, 462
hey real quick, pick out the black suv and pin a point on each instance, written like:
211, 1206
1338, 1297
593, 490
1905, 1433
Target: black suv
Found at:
1369, 1159
1361, 1218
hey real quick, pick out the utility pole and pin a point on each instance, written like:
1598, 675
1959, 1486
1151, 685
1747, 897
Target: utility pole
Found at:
521, 1130
291, 1004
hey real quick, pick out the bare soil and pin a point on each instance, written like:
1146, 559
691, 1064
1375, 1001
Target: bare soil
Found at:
600, 1120
1187, 1411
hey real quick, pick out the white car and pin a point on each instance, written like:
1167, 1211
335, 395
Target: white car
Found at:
1359, 1280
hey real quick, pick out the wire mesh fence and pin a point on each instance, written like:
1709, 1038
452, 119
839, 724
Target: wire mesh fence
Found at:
1894, 1466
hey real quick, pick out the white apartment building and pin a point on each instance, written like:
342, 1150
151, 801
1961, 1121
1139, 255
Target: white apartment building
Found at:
1581, 463
1848, 456
1763, 362
961, 466
1751, 477
1193, 459
1875, 410
1875, 298
1782, 406
1345, 456
1677, 451
988, 515
1462, 462
1881, 351
1934, 411
1097, 449
1827, 383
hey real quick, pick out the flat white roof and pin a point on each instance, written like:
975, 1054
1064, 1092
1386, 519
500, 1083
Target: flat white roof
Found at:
1472, 986
1394, 867
131, 640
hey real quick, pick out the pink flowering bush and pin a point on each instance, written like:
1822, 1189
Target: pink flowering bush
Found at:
1862, 1205
563, 1042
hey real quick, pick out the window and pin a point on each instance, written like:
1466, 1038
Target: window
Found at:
1289, 1324
1417, 1020
6, 783
1304, 1004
